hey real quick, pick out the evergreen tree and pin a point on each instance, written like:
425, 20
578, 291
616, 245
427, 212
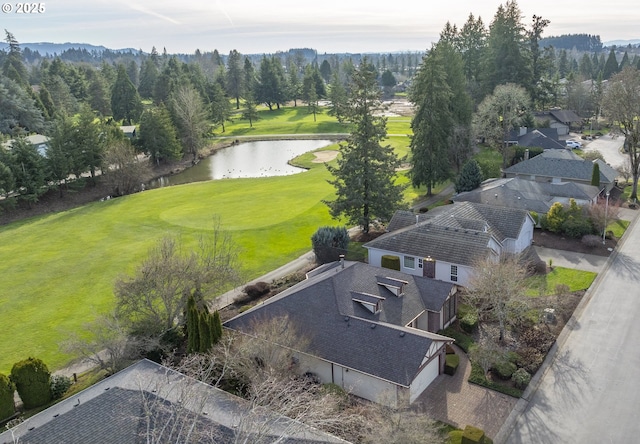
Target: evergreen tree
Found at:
125, 100
216, 327
611, 66
13, 66
294, 86
7, 181
470, 177
7, 404
220, 106
270, 88
18, 111
365, 176
595, 175
31, 378
204, 331
234, 76
505, 60
157, 136
28, 169
432, 123
250, 111
338, 97
193, 335
148, 76
472, 44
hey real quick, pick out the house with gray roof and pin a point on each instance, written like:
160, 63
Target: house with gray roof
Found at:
529, 195
560, 119
545, 138
558, 166
148, 402
38, 141
367, 329
445, 242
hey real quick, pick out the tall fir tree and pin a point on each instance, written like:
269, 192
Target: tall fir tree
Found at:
125, 100
431, 123
364, 178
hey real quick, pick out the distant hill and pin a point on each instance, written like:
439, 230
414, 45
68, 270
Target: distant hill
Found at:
623, 42
47, 48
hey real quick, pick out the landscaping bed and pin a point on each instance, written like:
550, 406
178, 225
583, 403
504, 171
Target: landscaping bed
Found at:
547, 239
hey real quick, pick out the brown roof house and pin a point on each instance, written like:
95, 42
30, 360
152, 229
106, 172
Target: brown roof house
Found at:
445, 242
367, 329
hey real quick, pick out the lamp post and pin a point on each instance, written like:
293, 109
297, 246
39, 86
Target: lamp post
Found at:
606, 208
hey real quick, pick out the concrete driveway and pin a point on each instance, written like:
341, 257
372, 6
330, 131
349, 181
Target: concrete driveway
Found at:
609, 147
569, 259
588, 390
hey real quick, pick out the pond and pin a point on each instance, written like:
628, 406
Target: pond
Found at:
248, 159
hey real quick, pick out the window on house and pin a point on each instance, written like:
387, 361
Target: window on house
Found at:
409, 262
454, 273
419, 262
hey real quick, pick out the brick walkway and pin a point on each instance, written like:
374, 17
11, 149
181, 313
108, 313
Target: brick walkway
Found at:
453, 400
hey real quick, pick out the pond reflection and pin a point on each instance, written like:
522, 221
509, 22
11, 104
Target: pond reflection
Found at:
249, 159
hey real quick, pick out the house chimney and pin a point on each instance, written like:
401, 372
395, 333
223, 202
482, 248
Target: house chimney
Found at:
417, 218
526, 154
342, 261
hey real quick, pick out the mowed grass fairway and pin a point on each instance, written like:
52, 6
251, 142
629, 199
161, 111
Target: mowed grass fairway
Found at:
58, 270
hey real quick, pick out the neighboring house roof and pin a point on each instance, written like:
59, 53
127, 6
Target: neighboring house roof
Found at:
541, 138
562, 164
37, 140
565, 116
403, 218
443, 243
331, 309
527, 194
116, 411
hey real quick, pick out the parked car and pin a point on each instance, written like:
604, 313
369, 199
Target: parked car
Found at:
573, 144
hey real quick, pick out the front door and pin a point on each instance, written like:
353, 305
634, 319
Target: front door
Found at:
429, 267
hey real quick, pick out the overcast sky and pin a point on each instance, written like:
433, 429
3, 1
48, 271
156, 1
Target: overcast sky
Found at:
257, 26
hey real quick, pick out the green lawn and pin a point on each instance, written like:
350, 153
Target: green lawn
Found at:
58, 270
575, 279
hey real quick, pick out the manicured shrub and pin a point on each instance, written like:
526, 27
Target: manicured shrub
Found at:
7, 406
254, 291
59, 385
504, 369
31, 378
469, 321
390, 262
521, 378
462, 340
451, 364
329, 243
473, 435
470, 177
577, 226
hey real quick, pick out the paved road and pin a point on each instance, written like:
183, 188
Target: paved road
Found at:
610, 149
589, 388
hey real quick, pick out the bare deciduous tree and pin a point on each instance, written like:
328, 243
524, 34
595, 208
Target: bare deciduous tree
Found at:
497, 289
154, 300
122, 169
191, 118
106, 344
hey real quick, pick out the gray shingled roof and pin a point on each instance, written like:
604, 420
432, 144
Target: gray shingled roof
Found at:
458, 233
443, 243
562, 164
403, 218
526, 194
115, 411
342, 331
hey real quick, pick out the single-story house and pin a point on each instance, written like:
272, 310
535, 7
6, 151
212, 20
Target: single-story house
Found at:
529, 195
558, 166
445, 242
148, 402
40, 142
560, 119
367, 329
545, 138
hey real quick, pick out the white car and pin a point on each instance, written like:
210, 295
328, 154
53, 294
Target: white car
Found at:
573, 144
